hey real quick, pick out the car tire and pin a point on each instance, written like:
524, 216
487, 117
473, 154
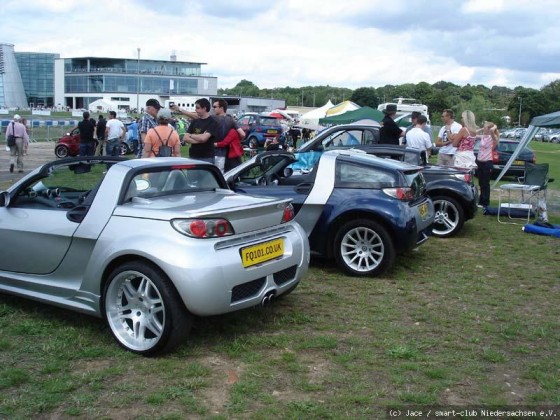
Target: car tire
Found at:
61, 151
449, 216
124, 149
143, 310
363, 248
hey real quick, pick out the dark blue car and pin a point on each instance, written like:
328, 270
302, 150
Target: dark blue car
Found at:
358, 209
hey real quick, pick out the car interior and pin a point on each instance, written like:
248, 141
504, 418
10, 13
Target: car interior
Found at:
157, 183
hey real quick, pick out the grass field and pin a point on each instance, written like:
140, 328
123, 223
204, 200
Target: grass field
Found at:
464, 321
470, 320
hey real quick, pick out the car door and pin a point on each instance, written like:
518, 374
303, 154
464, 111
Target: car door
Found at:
268, 176
34, 226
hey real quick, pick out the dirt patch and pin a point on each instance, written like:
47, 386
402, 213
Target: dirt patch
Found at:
37, 154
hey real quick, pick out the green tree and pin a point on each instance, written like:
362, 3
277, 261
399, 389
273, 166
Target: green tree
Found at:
365, 96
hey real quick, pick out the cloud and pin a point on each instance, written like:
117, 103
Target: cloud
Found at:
314, 42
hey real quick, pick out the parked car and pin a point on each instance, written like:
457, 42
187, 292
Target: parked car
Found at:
259, 128
146, 244
503, 153
358, 209
452, 190
69, 144
539, 136
552, 137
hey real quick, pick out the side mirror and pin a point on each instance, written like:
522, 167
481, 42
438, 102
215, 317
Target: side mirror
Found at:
288, 172
4, 199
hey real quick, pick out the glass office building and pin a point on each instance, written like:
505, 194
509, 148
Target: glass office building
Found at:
129, 82
37, 74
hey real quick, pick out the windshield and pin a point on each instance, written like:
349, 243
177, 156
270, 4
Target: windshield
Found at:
269, 122
179, 180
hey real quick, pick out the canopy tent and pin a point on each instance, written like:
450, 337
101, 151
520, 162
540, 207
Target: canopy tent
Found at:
311, 118
341, 108
364, 113
101, 105
547, 120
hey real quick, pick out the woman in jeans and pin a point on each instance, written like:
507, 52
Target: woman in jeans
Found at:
488, 142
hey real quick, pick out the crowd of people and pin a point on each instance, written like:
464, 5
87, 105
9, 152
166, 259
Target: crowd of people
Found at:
455, 142
216, 137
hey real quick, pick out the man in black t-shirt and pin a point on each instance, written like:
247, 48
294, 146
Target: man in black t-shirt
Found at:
86, 128
101, 125
202, 133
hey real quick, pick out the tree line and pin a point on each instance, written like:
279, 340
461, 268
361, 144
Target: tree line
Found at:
489, 104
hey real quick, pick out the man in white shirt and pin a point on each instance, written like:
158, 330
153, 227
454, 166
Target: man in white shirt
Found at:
446, 155
417, 138
115, 132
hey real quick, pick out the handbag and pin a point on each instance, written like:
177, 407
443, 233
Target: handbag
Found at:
11, 138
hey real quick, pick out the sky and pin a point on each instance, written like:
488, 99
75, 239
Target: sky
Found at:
352, 44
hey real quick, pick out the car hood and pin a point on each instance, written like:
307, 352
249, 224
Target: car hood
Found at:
245, 212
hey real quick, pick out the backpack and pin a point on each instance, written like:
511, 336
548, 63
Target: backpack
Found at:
164, 149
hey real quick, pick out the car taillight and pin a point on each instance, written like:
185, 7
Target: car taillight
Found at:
288, 214
203, 228
467, 177
400, 193
495, 156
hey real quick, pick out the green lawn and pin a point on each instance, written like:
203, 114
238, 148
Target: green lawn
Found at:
470, 320
464, 321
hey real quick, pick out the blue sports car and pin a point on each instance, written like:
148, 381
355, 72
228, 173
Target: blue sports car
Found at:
359, 209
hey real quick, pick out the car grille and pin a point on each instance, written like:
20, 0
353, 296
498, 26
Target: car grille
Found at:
246, 290
252, 288
285, 275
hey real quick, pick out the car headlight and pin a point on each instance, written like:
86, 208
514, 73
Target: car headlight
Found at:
203, 228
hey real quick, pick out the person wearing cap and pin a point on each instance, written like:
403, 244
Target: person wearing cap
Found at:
18, 130
163, 133
148, 121
115, 132
390, 132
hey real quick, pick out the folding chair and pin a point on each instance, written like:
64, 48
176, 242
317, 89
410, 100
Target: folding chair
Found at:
526, 198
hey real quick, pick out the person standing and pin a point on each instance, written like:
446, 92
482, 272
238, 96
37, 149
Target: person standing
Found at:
162, 134
390, 132
201, 133
414, 119
417, 138
148, 121
464, 141
450, 127
132, 134
87, 145
100, 132
227, 146
19, 132
115, 132
488, 143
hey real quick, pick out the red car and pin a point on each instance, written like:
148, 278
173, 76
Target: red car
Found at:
69, 144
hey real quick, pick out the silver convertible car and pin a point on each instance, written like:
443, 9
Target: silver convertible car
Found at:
146, 244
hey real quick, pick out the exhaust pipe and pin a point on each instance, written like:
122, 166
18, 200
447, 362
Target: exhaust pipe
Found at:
268, 298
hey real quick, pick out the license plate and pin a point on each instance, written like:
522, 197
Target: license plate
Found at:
265, 251
271, 131
423, 211
519, 163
